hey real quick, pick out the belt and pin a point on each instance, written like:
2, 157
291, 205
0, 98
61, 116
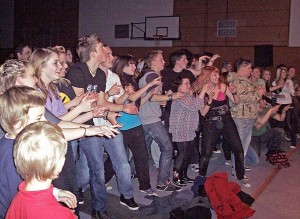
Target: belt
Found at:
215, 118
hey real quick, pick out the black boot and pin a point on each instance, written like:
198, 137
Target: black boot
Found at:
177, 180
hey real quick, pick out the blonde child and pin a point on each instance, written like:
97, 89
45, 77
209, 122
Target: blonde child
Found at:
39, 155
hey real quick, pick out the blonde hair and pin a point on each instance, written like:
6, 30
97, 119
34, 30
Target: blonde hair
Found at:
39, 58
204, 78
15, 104
148, 61
11, 70
38, 149
59, 49
86, 45
61, 81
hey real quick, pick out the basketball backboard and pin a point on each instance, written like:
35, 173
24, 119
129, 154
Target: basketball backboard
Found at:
167, 26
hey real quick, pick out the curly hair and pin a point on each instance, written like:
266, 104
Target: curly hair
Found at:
11, 70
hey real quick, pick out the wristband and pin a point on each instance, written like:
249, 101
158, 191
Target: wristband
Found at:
105, 114
107, 92
170, 97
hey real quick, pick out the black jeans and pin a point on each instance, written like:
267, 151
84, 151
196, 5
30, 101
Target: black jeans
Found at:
226, 149
183, 158
134, 139
290, 124
211, 131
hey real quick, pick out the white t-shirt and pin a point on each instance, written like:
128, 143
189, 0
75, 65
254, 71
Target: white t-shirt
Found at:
287, 91
111, 79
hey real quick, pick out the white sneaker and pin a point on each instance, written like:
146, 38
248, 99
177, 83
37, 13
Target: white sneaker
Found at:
218, 151
292, 146
244, 183
228, 162
195, 168
108, 187
247, 168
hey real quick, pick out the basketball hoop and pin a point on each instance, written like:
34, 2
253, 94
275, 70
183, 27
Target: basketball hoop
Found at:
158, 38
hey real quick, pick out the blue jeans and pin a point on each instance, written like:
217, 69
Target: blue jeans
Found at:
93, 148
251, 158
83, 176
157, 132
244, 127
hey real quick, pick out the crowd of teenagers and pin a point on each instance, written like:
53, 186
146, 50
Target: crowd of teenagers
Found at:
59, 118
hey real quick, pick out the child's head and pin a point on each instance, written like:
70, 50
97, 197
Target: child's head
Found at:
39, 151
16, 72
20, 106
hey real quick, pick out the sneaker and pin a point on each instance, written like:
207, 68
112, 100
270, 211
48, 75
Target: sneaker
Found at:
108, 187
218, 151
247, 168
150, 192
244, 183
195, 168
245, 177
133, 176
287, 137
101, 215
228, 162
168, 187
179, 182
292, 146
80, 198
129, 203
187, 179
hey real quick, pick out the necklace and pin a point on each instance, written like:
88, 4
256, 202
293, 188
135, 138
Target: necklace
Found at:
92, 72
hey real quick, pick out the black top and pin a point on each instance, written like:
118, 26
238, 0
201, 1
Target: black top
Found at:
128, 79
80, 77
218, 108
66, 91
169, 75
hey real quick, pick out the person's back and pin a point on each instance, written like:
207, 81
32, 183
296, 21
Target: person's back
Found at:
9, 178
37, 204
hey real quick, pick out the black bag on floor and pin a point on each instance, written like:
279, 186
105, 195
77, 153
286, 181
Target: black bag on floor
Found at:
198, 212
197, 208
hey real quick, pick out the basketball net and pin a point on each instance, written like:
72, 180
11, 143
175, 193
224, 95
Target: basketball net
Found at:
157, 39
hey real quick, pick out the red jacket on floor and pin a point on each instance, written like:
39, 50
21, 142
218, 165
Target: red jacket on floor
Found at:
223, 197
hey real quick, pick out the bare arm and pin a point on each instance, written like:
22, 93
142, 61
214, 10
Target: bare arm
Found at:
206, 107
263, 119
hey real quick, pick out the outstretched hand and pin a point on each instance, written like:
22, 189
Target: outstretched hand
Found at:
112, 117
68, 198
99, 111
